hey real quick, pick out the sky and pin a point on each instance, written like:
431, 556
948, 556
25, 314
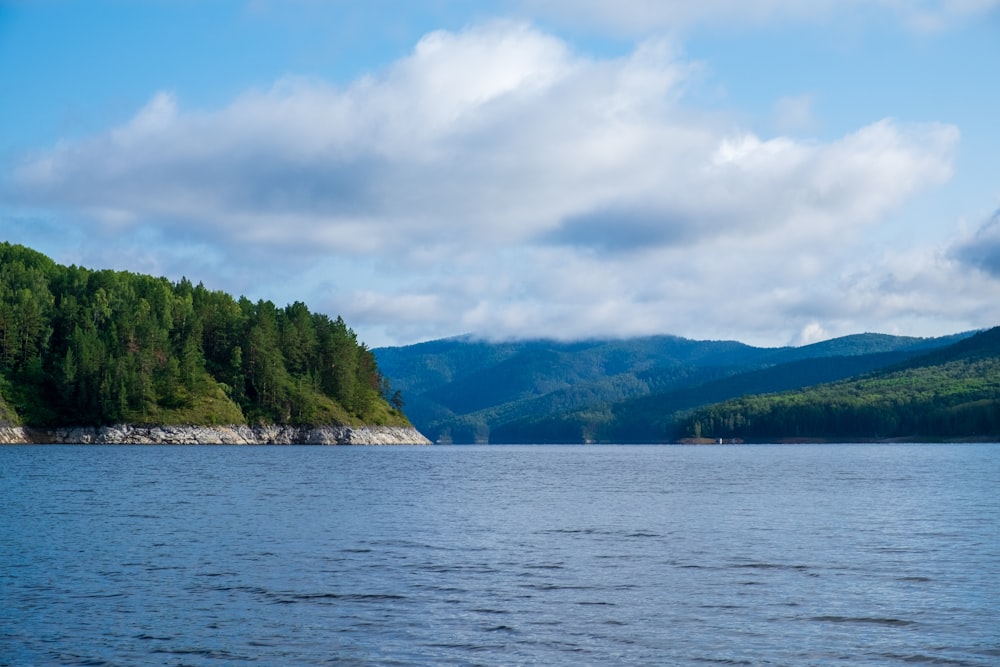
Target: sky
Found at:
771, 171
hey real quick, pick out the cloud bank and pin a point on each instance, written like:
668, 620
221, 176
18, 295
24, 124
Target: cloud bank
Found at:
496, 181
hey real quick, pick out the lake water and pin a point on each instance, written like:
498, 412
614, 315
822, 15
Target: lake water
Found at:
583, 555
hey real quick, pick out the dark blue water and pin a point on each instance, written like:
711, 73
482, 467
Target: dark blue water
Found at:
756, 555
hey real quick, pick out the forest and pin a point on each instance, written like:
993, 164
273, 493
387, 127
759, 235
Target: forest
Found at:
85, 347
467, 390
950, 393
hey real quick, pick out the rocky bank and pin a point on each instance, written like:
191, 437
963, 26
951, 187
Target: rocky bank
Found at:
137, 434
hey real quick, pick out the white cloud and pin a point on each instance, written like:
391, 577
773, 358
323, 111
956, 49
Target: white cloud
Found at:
813, 332
509, 185
497, 135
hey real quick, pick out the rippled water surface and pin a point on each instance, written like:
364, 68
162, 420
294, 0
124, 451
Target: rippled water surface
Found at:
756, 555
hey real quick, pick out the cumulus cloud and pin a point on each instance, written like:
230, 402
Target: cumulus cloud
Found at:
496, 135
743, 185
509, 184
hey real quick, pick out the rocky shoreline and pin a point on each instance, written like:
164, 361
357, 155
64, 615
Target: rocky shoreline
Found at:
237, 434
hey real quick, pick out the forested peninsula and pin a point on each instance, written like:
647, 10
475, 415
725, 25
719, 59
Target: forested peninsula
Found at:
113, 356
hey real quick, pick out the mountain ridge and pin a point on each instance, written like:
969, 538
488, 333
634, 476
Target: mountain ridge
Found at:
949, 393
464, 389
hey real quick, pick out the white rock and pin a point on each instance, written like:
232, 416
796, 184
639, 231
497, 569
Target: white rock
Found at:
235, 434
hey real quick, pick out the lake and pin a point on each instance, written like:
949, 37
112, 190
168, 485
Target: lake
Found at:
500, 555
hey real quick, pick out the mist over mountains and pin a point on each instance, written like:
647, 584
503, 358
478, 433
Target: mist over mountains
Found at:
465, 390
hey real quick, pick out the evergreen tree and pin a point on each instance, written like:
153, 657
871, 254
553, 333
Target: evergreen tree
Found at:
97, 347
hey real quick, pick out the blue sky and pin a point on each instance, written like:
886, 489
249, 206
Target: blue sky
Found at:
764, 170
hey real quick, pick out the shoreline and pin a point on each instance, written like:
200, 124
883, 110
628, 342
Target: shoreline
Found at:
233, 434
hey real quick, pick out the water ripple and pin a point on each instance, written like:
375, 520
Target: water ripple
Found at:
496, 556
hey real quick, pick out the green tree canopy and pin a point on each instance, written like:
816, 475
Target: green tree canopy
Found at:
79, 346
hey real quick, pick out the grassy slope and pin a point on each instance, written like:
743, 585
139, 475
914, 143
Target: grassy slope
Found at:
7, 415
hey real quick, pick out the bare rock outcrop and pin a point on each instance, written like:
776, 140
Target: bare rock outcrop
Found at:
12, 435
237, 434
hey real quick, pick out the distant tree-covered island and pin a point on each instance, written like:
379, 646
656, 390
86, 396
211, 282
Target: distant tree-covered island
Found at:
82, 347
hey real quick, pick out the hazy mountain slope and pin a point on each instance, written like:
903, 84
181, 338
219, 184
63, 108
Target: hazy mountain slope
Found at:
951, 392
469, 390
653, 418
462, 387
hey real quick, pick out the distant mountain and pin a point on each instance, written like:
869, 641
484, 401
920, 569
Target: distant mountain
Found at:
466, 390
952, 392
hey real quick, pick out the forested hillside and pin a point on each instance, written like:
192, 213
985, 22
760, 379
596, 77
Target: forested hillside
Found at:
85, 347
633, 390
461, 389
949, 393
655, 418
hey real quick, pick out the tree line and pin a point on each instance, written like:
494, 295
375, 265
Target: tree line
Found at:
951, 393
636, 390
79, 346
